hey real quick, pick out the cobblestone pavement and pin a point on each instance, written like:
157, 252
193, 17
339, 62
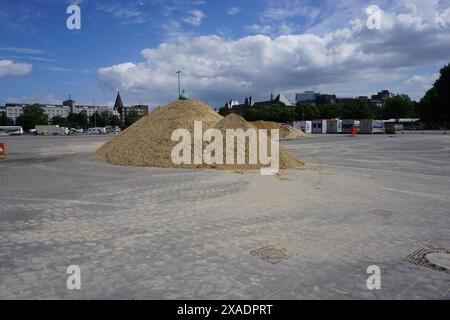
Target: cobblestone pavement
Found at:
139, 233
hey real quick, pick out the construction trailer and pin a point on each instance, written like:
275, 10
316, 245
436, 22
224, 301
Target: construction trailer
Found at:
334, 126
347, 126
52, 130
369, 126
305, 126
319, 126
403, 124
392, 128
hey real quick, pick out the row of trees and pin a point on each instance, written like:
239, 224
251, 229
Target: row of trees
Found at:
4, 120
435, 105
400, 106
82, 121
433, 109
34, 115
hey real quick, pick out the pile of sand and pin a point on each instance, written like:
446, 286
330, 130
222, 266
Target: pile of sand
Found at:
148, 142
234, 121
286, 131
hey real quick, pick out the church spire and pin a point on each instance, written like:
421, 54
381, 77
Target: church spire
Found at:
118, 106
120, 109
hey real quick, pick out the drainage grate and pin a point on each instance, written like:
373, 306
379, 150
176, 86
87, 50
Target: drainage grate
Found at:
420, 258
271, 254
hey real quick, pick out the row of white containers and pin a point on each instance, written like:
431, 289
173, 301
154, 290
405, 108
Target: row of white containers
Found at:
366, 126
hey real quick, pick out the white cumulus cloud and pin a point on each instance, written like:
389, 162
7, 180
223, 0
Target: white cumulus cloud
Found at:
194, 17
233, 10
10, 68
425, 80
353, 60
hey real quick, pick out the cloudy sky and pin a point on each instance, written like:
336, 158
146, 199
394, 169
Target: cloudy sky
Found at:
226, 49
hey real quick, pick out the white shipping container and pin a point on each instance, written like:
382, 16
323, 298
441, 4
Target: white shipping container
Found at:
305, 126
369, 126
52, 130
334, 126
319, 126
347, 125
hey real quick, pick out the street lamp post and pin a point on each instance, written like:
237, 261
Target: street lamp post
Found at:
179, 84
95, 115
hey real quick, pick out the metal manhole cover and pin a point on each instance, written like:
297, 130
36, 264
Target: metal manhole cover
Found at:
431, 257
271, 254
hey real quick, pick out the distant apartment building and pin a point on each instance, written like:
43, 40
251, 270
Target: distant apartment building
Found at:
326, 99
15, 110
90, 110
307, 96
242, 108
381, 98
347, 100
322, 99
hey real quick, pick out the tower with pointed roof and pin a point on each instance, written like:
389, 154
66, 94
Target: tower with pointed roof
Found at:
119, 108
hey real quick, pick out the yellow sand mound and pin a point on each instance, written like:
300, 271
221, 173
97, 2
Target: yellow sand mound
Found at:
148, 142
234, 121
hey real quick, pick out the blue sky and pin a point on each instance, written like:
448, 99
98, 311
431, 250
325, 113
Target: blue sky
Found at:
227, 49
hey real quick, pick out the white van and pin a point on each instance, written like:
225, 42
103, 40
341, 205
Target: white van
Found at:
11, 131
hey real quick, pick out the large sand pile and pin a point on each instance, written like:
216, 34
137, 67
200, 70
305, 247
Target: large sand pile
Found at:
286, 131
234, 121
148, 142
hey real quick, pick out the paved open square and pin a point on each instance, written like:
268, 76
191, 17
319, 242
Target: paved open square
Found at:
146, 233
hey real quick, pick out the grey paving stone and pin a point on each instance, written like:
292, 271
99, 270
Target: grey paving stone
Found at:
140, 233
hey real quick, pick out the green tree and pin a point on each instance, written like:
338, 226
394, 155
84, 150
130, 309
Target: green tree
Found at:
96, 120
110, 118
82, 120
4, 120
33, 115
59, 121
104, 119
72, 121
131, 117
427, 106
224, 111
306, 111
376, 111
276, 112
399, 106
435, 105
357, 110
330, 111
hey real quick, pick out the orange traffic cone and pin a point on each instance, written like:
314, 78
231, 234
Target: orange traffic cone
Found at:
3, 151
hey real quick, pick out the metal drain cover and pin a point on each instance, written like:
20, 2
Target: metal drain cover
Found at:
431, 257
271, 254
